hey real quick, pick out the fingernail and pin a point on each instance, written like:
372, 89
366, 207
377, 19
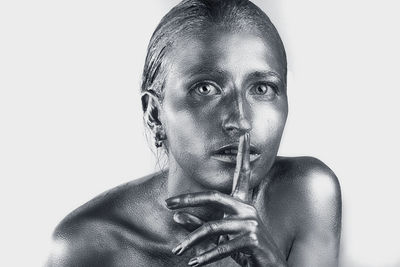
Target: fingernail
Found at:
181, 218
177, 250
171, 201
178, 218
193, 262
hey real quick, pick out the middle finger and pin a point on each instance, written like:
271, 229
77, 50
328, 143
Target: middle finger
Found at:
214, 228
217, 199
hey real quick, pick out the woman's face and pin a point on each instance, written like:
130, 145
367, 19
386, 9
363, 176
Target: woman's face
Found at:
219, 86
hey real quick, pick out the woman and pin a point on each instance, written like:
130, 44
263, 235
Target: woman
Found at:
214, 97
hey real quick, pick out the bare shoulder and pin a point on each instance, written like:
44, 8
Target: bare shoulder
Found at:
309, 193
81, 242
310, 186
92, 234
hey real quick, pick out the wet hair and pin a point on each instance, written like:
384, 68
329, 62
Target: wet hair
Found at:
191, 17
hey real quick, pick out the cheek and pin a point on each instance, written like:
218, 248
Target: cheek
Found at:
266, 133
184, 131
268, 125
188, 125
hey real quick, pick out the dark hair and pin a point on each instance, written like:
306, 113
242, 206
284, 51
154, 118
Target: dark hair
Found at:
194, 16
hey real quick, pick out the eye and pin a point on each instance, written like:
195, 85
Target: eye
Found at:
206, 89
264, 90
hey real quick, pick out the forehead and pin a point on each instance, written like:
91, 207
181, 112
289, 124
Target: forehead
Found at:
227, 51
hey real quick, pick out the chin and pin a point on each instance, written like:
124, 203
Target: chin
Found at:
224, 181
220, 180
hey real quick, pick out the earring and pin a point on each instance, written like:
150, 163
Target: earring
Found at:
159, 136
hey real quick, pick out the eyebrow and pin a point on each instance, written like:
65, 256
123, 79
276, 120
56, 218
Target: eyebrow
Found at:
204, 69
265, 74
218, 72
211, 69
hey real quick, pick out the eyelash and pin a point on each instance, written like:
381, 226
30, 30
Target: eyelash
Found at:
268, 94
269, 85
204, 84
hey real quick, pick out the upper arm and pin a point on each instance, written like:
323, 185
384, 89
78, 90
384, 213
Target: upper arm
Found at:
66, 254
317, 237
79, 247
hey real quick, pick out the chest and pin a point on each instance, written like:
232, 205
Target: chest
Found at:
145, 252
142, 258
149, 245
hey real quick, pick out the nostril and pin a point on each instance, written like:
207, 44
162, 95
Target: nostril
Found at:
238, 126
230, 128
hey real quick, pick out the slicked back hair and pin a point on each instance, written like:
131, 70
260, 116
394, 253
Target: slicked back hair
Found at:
191, 17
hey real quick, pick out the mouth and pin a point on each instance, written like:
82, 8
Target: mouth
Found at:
229, 153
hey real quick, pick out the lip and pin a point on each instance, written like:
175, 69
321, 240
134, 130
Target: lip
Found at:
231, 158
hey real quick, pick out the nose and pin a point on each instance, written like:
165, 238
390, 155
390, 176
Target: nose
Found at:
237, 121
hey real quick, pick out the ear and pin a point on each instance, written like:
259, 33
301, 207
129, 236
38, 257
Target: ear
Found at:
151, 109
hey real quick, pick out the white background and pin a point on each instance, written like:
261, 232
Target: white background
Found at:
71, 124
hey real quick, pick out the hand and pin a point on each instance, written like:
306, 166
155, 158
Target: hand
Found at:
243, 236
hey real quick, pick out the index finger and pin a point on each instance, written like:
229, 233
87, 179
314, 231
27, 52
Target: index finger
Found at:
241, 178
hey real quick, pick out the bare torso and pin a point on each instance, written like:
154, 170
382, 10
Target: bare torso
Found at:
131, 226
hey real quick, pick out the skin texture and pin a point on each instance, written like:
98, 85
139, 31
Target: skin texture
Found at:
233, 72
225, 89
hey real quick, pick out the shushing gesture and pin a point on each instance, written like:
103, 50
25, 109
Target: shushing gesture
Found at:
242, 234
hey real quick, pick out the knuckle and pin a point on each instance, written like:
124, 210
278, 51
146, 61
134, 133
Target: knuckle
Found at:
187, 199
222, 250
251, 211
207, 227
253, 239
212, 227
215, 195
253, 225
